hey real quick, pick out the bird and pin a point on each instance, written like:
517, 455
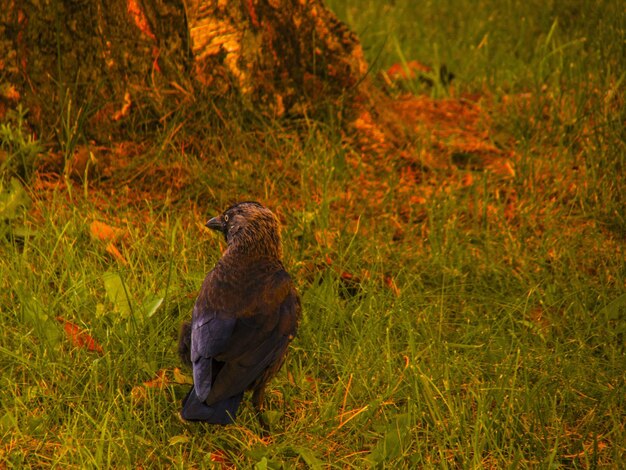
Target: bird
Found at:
246, 314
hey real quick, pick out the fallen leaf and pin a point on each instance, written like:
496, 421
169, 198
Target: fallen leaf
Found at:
181, 439
220, 457
160, 381
391, 283
181, 378
112, 250
79, 337
134, 9
467, 179
10, 93
125, 110
408, 70
105, 232
348, 276
140, 392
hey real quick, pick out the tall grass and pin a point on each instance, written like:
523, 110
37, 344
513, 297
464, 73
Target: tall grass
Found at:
458, 336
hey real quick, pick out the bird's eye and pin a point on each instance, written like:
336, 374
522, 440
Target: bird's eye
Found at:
225, 217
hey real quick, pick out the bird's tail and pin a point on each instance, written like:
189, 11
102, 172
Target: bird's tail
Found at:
222, 412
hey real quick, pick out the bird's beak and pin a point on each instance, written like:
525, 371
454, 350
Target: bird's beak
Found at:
215, 224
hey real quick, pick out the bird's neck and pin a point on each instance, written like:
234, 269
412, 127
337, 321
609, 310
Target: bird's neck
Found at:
249, 252
237, 264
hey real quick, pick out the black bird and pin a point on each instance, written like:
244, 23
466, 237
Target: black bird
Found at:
246, 314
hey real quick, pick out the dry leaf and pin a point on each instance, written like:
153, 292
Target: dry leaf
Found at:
105, 232
389, 282
220, 457
407, 71
135, 10
79, 337
139, 392
181, 378
112, 250
160, 381
125, 110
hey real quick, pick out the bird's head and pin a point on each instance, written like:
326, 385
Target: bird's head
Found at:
249, 227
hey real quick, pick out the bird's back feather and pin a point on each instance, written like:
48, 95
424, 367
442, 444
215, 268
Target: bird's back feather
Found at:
245, 315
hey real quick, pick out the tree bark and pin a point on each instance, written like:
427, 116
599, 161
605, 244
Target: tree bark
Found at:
103, 67
86, 64
285, 56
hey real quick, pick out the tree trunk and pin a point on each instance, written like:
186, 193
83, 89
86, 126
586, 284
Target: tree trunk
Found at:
102, 67
73, 63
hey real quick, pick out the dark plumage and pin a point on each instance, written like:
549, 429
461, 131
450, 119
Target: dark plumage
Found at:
246, 314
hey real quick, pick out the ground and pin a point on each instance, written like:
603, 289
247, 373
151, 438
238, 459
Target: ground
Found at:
463, 293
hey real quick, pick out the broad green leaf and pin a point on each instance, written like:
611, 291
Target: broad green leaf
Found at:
117, 293
12, 200
616, 309
180, 439
150, 305
261, 464
45, 327
8, 422
389, 447
309, 457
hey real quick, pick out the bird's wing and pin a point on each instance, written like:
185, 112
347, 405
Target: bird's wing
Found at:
210, 335
257, 343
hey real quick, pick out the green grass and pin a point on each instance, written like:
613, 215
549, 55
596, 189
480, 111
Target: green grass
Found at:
503, 347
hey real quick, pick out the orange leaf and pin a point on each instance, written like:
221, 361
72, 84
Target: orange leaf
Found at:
407, 71
347, 276
139, 392
125, 109
135, 10
112, 250
79, 337
181, 378
104, 232
219, 456
389, 282
159, 381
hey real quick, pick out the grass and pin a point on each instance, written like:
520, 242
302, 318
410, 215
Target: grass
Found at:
452, 317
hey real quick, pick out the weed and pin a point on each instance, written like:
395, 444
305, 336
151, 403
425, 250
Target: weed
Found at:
19, 150
465, 314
